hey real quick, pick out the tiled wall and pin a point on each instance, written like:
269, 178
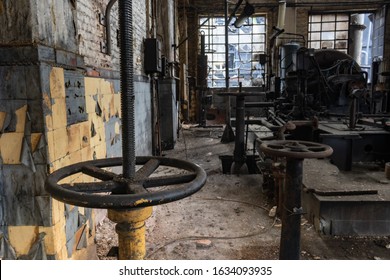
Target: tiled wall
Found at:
59, 105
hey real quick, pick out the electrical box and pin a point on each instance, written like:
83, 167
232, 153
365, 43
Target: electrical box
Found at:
152, 56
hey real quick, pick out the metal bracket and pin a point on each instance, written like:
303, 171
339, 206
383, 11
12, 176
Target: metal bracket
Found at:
103, 22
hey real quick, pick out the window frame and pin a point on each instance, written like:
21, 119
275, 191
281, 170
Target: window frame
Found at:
241, 69
335, 42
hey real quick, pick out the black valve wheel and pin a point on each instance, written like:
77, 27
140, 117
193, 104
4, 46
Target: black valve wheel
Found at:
295, 149
113, 191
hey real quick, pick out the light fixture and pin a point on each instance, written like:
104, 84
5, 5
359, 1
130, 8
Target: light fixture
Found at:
246, 13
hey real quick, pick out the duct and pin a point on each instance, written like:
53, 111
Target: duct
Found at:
357, 28
281, 14
234, 11
247, 12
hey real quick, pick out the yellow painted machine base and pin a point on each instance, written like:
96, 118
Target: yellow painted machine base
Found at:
131, 231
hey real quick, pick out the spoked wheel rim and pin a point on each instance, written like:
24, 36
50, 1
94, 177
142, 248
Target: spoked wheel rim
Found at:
113, 191
295, 149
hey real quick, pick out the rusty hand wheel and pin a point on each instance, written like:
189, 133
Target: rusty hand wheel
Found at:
296, 149
113, 191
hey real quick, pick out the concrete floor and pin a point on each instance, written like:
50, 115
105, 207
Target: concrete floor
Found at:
229, 217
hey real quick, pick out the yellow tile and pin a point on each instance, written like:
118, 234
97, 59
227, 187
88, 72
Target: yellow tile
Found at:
55, 237
106, 99
97, 120
91, 86
85, 134
74, 138
58, 113
50, 144
22, 238
3, 115
62, 253
11, 147
101, 151
21, 119
35, 138
90, 104
75, 157
46, 100
60, 142
99, 138
107, 87
86, 154
58, 212
57, 83
117, 104
49, 122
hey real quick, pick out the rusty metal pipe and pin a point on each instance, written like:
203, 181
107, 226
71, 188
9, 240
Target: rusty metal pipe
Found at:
108, 25
127, 86
290, 240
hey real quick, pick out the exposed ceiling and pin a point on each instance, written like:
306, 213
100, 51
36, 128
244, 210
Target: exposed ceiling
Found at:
218, 6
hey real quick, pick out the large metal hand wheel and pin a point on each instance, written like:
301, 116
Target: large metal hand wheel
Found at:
296, 149
113, 191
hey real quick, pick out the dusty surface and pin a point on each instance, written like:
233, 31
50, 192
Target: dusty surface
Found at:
229, 217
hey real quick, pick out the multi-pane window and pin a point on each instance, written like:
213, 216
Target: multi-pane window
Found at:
329, 31
245, 45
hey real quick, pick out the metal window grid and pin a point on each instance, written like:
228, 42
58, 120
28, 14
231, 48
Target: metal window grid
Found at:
329, 31
245, 46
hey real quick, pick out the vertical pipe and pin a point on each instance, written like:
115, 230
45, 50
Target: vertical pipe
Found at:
227, 99
290, 243
228, 134
239, 149
108, 25
127, 87
226, 45
357, 28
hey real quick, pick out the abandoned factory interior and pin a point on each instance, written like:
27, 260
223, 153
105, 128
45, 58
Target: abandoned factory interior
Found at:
195, 130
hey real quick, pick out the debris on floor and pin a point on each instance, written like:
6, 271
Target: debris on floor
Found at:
231, 217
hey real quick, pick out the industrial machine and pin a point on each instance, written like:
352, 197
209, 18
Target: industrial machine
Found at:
326, 98
327, 95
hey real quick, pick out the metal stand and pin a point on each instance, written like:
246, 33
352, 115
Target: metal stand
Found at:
239, 154
294, 152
